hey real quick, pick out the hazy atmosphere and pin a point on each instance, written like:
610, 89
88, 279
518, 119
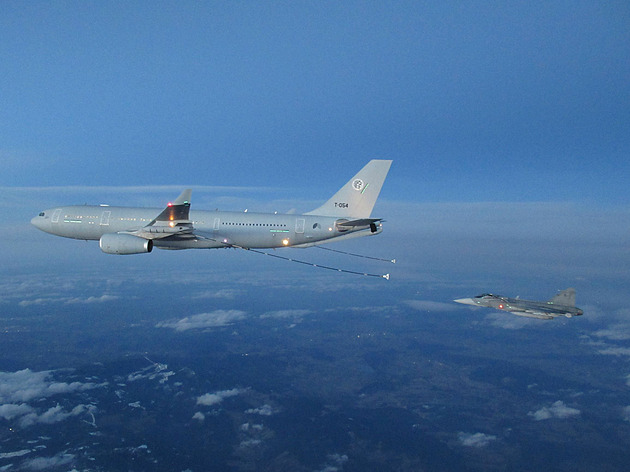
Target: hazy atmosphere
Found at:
508, 128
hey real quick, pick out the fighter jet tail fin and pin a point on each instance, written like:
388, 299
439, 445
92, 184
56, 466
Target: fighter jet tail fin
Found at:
565, 297
357, 197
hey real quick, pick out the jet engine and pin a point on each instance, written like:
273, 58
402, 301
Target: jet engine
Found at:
116, 243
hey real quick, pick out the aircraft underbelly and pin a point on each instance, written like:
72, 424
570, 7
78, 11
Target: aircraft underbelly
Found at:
187, 244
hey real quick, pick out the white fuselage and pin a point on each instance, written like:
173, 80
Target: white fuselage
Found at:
219, 228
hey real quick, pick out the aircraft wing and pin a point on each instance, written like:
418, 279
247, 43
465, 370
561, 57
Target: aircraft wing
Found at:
172, 223
533, 314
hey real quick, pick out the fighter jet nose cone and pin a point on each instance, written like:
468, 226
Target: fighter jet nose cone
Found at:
465, 301
35, 221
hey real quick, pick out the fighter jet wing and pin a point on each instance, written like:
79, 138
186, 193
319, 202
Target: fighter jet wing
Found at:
533, 314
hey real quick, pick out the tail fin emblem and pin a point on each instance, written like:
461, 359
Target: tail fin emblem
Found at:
358, 185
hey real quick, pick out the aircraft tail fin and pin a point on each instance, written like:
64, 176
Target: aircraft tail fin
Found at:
358, 196
565, 297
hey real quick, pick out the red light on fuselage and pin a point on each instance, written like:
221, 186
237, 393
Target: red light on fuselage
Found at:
170, 204
501, 306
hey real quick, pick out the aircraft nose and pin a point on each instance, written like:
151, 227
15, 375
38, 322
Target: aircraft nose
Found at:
465, 301
38, 222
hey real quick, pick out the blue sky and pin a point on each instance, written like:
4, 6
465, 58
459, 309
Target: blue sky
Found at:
482, 101
507, 124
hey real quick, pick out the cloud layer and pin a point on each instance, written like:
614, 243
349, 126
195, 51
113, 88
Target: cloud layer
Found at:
211, 399
556, 410
25, 385
213, 319
19, 388
475, 439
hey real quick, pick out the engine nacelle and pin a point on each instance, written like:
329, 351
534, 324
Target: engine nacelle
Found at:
116, 243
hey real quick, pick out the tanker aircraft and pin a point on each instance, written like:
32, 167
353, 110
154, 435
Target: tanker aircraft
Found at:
126, 230
563, 304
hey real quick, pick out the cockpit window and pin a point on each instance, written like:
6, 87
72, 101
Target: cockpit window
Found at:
41, 214
485, 295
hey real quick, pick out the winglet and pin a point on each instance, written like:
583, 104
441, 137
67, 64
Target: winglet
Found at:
184, 197
177, 210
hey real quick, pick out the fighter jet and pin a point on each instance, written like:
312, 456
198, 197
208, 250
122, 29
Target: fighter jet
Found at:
563, 304
126, 230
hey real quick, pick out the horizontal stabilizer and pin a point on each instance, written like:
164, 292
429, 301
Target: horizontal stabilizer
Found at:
361, 222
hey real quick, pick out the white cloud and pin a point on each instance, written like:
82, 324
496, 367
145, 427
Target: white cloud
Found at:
283, 314
556, 410
226, 294
199, 416
265, 410
372, 310
475, 439
245, 427
37, 301
615, 351
616, 332
214, 319
215, 398
101, 299
25, 385
53, 415
11, 410
428, 305
334, 462
9, 455
17, 388
154, 371
626, 413
42, 463
250, 443
68, 301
